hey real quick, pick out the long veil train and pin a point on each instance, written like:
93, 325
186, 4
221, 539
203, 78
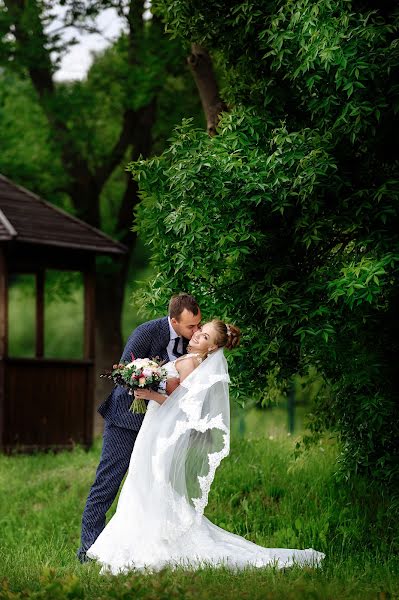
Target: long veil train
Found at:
160, 518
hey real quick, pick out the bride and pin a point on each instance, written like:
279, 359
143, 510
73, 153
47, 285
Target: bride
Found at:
159, 520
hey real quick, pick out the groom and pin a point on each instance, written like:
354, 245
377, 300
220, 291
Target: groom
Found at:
167, 338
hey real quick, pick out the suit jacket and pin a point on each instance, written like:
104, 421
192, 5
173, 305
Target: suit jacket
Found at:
146, 341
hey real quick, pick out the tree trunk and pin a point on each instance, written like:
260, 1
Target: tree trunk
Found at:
202, 69
110, 289
85, 196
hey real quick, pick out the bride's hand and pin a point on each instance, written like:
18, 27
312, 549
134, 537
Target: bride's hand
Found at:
145, 394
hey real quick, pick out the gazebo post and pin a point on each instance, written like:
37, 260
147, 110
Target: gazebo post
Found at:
40, 314
3, 305
89, 346
3, 337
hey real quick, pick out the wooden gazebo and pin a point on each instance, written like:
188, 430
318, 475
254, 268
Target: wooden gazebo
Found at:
45, 402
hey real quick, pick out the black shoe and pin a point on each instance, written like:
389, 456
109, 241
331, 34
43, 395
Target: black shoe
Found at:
82, 556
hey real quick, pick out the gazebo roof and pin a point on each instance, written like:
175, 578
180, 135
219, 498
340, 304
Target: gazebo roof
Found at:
25, 217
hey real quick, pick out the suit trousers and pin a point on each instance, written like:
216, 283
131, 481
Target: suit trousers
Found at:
117, 448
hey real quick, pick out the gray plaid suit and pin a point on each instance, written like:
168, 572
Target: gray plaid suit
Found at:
120, 431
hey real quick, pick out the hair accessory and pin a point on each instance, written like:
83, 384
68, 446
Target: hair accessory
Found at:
228, 330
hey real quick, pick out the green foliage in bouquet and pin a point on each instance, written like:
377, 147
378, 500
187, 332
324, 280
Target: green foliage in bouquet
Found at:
286, 221
140, 373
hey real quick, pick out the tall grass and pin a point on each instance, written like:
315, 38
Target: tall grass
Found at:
260, 492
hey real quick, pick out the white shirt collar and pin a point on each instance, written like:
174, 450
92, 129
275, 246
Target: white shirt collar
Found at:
173, 334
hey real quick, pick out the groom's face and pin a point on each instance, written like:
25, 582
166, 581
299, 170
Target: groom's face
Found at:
187, 323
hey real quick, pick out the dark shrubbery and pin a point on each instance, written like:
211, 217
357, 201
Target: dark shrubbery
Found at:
286, 221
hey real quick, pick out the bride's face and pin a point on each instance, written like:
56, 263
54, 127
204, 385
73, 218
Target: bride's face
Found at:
204, 340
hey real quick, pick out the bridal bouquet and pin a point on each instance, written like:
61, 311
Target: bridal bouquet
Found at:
139, 373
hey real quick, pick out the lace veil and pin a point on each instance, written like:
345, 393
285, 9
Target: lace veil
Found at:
192, 437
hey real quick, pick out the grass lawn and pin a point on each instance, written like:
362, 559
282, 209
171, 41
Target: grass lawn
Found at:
260, 492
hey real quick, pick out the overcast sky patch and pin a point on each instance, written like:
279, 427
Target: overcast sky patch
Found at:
78, 60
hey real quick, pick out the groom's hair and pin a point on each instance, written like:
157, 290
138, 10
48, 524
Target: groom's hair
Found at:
179, 302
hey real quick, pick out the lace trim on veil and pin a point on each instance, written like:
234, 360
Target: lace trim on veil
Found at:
190, 405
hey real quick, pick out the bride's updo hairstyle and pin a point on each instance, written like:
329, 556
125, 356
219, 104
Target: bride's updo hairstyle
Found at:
227, 336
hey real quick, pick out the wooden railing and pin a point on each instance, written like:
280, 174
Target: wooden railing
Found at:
47, 403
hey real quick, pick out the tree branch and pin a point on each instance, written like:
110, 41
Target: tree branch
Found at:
134, 19
202, 69
114, 158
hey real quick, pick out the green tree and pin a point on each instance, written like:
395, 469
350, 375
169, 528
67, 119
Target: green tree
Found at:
286, 221
84, 132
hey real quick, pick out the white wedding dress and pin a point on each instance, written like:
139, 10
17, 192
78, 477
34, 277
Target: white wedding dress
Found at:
159, 519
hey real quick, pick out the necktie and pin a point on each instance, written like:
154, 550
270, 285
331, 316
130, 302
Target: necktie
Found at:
175, 350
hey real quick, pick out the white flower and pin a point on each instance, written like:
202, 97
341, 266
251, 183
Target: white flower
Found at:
143, 363
139, 362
